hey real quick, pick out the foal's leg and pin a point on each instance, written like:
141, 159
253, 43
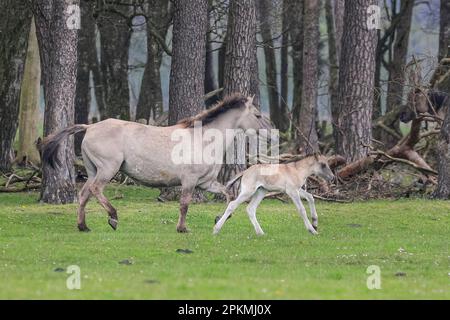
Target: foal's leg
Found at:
309, 197
185, 199
83, 198
217, 187
232, 206
301, 209
251, 210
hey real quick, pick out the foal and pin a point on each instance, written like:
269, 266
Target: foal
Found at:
287, 178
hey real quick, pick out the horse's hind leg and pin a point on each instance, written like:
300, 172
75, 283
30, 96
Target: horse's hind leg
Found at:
83, 197
251, 210
97, 187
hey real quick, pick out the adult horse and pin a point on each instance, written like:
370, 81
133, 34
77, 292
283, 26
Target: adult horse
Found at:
145, 153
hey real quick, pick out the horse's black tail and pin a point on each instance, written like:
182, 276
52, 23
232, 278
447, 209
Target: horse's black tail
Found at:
50, 145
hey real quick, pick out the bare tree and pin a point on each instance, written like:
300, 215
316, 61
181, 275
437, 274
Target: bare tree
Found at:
87, 55
307, 139
27, 151
444, 34
296, 34
15, 19
114, 25
335, 20
241, 65
188, 59
150, 103
57, 39
356, 82
265, 16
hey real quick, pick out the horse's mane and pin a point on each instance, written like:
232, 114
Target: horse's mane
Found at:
230, 102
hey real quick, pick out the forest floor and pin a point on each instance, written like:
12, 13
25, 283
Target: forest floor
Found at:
407, 239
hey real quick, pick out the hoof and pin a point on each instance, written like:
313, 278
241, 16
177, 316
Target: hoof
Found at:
313, 232
182, 229
113, 223
83, 228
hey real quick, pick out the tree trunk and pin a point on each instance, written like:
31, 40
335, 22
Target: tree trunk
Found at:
296, 32
397, 76
58, 48
265, 14
284, 67
15, 19
335, 20
210, 76
188, 59
115, 34
27, 151
150, 104
356, 82
241, 65
241, 48
307, 140
444, 34
86, 54
443, 147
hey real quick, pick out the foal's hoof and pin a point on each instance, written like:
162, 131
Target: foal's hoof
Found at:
313, 232
113, 223
182, 229
219, 217
83, 228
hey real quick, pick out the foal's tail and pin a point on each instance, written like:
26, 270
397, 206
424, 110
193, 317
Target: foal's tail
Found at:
234, 180
50, 145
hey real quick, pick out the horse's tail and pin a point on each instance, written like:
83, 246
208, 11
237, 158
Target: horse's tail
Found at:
234, 180
50, 145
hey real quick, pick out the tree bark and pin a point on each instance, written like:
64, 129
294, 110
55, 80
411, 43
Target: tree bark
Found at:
15, 19
307, 140
188, 59
27, 151
241, 65
296, 32
58, 49
444, 34
115, 33
443, 146
284, 67
241, 48
265, 13
335, 20
150, 104
210, 75
356, 77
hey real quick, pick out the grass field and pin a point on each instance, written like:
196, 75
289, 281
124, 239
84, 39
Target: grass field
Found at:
408, 239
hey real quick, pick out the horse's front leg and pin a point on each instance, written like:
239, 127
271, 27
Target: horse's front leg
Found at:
185, 199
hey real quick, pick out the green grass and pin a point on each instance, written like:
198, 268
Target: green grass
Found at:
287, 263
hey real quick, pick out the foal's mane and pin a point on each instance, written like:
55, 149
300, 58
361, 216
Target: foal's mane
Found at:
233, 101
